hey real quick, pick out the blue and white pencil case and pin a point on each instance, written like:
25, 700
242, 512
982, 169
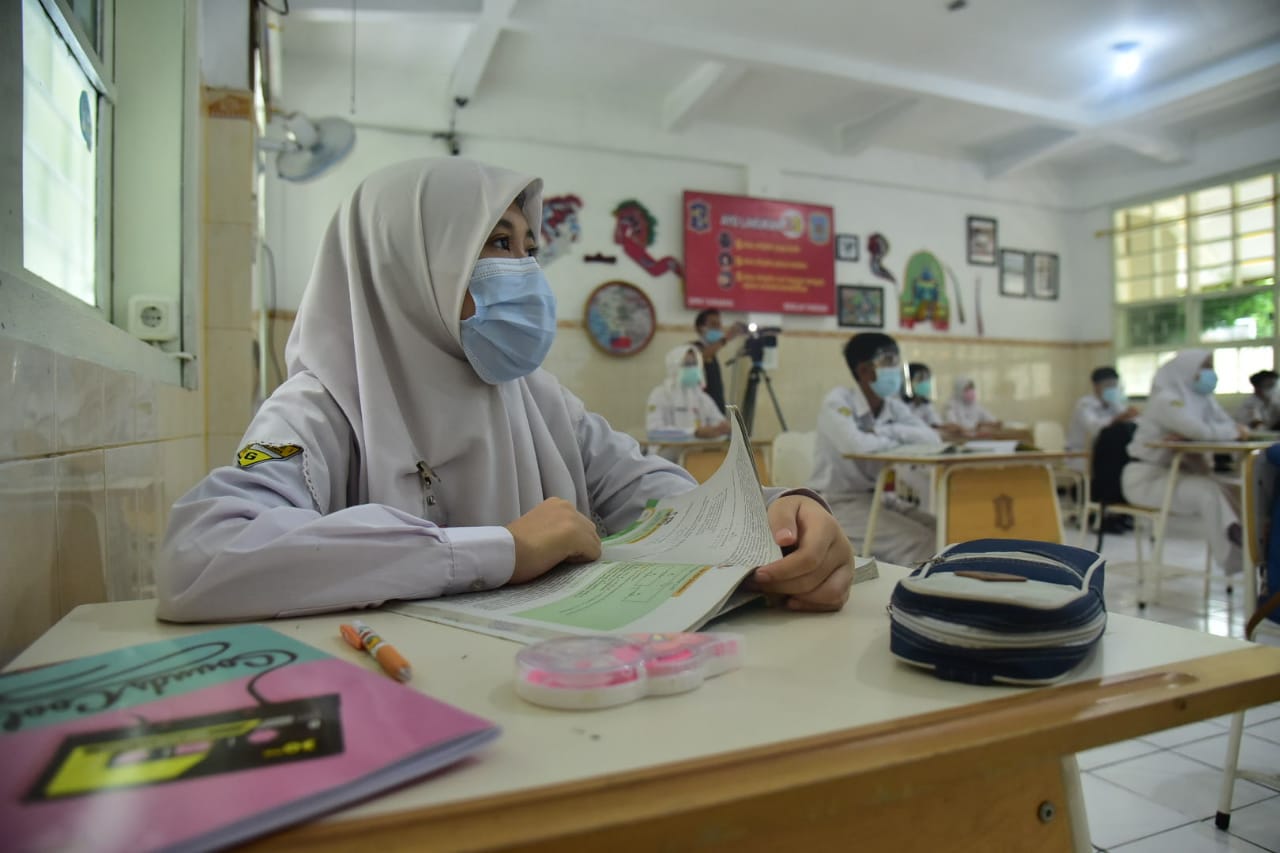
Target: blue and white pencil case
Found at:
1000, 611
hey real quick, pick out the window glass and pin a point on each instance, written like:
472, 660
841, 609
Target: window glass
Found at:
1164, 324
1239, 317
59, 160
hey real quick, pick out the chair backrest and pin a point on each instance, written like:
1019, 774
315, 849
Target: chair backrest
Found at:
1018, 501
1110, 455
1049, 435
792, 458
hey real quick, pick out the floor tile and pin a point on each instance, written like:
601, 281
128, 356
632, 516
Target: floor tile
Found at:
1113, 752
1269, 730
1200, 837
1179, 783
1259, 823
1117, 816
1254, 751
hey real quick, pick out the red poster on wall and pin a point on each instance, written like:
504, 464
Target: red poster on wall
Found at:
755, 254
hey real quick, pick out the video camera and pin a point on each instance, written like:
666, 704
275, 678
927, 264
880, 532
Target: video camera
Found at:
760, 338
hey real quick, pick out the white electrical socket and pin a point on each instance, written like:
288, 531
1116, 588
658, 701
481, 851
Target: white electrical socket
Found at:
153, 318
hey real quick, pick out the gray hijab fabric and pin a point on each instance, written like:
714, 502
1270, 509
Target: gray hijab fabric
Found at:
379, 329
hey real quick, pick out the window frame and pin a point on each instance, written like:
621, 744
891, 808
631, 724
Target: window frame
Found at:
38, 312
1193, 299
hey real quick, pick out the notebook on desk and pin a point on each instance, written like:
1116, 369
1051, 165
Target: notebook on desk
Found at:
208, 740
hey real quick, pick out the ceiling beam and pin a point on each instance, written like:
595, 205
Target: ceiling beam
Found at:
853, 137
1031, 148
708, 81
475, 55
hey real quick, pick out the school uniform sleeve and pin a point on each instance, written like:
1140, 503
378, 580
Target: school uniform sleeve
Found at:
836, 425
1171, 414
1093, 416
952, 414
907, 427
709, 413
655, 417
258, 541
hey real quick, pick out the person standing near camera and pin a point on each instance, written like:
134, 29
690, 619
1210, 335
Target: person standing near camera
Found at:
711, 339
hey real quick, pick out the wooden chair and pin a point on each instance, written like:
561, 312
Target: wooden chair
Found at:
1014, 501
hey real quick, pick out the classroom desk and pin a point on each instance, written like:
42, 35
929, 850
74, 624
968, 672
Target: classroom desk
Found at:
820, 742
709, 453
1180, 449
938, 463
1022, 434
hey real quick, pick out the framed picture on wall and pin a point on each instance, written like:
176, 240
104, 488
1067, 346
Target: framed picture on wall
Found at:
1044, 275
1013, 272
980, 238
846, 247
860, 306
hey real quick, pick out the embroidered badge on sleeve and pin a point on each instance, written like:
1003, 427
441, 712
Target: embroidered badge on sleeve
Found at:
257, 452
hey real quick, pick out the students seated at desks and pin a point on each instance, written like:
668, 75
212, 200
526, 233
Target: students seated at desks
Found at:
711, 339
679, 407
1181, 406
921, 399
964, 410
870, 416
415, 449
1105, 406
1261, 409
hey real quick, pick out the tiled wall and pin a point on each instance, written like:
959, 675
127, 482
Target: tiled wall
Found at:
91, 459
1023, 381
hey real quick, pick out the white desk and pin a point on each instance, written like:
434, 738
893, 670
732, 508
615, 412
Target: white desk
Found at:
820, 738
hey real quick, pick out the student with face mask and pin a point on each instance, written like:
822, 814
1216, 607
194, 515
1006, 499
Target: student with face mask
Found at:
964, 410
415, 449
679, 407
1107, 405
1261, 410
867, 417
1181, 406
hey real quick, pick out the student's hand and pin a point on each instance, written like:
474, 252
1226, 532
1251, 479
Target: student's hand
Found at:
816, 570
1128, 414
551, 533
1242, 431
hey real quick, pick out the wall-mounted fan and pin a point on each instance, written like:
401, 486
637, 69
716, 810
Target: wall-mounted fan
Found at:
310, 146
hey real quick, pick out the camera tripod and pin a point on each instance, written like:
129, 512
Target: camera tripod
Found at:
749, 397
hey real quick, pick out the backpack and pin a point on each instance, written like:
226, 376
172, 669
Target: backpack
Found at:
1110, 455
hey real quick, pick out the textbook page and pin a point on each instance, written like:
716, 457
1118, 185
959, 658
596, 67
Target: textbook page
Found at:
671, 570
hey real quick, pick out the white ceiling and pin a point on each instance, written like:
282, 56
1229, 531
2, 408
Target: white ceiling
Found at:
1010, 85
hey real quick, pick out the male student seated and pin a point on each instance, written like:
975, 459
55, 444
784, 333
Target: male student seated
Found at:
1261, 410
867, 417
1107, 405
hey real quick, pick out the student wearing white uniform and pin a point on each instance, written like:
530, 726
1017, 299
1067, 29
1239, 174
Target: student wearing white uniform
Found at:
416, 449
1107, 405
1181, 405
1260, 410
921, 398
679, 407
867, 417
964, 410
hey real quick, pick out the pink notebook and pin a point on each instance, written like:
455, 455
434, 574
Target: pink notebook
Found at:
208, 740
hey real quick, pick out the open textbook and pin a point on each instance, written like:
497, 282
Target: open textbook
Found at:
674, 569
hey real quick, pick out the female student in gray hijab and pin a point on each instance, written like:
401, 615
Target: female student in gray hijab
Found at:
416, 450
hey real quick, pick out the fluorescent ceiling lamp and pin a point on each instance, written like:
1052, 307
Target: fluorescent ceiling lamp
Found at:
1127, 59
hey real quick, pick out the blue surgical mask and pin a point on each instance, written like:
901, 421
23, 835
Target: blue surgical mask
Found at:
515, 320
1206, 381
924, 388
888, 382
690, 376
713, 336
1114, 395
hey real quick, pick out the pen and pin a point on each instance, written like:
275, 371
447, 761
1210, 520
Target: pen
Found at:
360, 636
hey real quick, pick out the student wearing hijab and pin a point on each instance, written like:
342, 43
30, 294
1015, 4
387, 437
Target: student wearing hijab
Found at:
1182, 406
415, 449
964, 410
866, 417
680, 406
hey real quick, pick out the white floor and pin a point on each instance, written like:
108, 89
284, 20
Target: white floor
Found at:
1158, 794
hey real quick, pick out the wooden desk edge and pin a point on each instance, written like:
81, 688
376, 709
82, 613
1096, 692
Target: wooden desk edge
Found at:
1025, 457
894, 756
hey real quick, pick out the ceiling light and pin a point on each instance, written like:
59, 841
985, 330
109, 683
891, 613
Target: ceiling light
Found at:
1126, 58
